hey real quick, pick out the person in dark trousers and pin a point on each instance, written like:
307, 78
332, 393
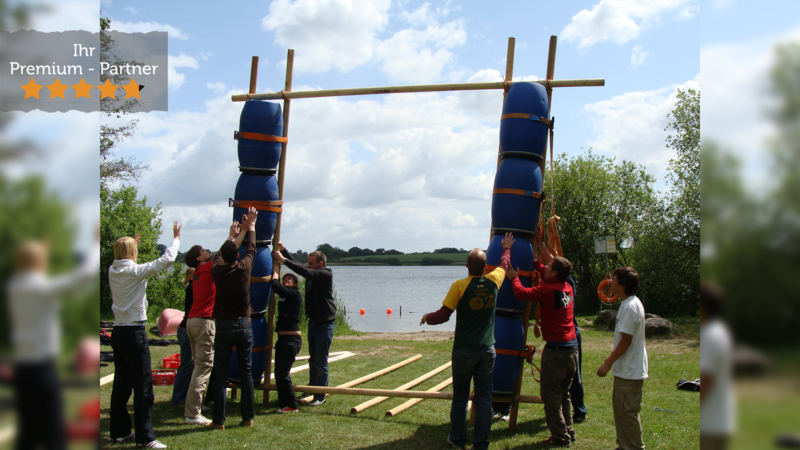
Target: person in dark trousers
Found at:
320, 310
473, 357
560, 354
128, 283
232, 319
576, 389
289, 339
184, 374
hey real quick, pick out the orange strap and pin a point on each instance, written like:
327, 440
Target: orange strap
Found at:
270, 205
258, 137
257, 349
533, 117
517, 192
524, 273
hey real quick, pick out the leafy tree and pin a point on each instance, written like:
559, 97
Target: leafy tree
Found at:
354, 251
113, 168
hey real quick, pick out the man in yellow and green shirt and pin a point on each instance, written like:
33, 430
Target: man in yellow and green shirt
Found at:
473, 347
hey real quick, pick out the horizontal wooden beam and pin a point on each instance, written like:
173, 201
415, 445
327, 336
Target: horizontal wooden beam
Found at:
410, 88
403, 394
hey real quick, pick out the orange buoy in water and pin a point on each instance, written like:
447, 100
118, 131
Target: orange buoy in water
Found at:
388, 311
361, 312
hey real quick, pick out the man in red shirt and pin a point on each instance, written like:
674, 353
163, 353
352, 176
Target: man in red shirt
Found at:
560, 354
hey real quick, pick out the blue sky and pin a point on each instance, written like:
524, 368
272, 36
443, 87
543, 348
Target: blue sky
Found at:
407, 171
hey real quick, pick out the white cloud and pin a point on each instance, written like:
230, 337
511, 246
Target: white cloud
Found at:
177, 79
631, 126
345, 33
131, 9
66, 15
621, 21
218, 87
146, 27
638, 57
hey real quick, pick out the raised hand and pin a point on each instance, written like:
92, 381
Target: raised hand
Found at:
136, 238
276, 255
252, 215
508, 240
234, 233
176, 230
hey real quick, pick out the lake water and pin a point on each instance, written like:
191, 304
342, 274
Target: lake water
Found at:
417, 289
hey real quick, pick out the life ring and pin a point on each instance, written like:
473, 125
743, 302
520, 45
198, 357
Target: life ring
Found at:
602, 294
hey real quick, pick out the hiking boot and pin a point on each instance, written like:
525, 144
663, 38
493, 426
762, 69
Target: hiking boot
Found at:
317, 402
151, 444
247, 423
120, 440
285, 410
453, 445
213, 426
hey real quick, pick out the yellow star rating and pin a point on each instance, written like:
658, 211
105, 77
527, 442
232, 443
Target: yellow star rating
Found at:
107, 89
82, 89
32, 89
57, 89
132, 89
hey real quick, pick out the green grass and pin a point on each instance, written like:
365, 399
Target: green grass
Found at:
409, 259
426, 425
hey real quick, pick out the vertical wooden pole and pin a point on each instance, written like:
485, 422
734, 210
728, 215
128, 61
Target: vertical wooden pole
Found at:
253, 74
277, 236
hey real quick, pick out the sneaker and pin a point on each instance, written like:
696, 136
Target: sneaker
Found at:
285, 410
453, 445
120, 440
213, 426
151, 444
317, 402
549, 441
199, 420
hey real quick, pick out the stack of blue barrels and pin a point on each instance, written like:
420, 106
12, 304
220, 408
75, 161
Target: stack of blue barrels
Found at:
259, 144
516, 201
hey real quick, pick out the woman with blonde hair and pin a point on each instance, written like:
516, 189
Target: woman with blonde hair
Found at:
184, 374
128, 282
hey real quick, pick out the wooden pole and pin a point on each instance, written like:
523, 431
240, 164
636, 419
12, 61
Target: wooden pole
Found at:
406, 89
402, 394
277, 235
409, 385
303, 358
371, 376
253, 75
410, 403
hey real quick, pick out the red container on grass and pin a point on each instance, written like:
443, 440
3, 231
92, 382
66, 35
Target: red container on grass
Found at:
172, 361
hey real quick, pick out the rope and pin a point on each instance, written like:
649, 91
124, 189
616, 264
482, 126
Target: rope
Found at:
552, 185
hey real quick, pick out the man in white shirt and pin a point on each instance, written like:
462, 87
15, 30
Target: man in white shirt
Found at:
128, 282
717, 408
628, 361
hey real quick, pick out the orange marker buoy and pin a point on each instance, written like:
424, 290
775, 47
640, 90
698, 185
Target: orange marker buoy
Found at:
388, 311
361, 312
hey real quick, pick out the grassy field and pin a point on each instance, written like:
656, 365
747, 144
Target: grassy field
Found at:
426, 425
410, 259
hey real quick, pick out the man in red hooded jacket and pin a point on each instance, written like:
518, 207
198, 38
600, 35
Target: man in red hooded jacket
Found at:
560, 354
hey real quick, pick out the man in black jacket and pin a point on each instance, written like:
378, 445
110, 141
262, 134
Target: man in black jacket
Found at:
289, 338
320, 310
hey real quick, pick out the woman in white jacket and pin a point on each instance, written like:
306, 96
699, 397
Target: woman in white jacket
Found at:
128, 282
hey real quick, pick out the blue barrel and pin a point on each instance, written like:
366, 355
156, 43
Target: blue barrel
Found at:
264, 118
258, 188
522, 258
508, 336
259, 359
524, 135
518, 210
262, 267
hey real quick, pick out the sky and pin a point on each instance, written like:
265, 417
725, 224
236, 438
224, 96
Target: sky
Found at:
413, 172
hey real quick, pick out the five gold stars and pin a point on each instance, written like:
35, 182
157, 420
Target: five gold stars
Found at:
57, 89
82, 89
107, 89
32, 89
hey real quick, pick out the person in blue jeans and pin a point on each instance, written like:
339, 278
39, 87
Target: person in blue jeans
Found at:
473, 346
576, 388
184, 374
320, 309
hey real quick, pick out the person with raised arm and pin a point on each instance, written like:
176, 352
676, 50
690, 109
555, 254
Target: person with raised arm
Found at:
289, 338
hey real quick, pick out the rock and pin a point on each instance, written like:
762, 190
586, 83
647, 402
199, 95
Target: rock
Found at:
606, 318
651, 316
749, 361
657, 327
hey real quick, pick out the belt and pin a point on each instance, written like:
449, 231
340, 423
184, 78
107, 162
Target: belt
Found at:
560, 347
289, 333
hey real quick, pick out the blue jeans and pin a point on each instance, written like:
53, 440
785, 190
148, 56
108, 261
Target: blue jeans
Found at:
320, 336
469, 364
576, 389
230, 333
184, 374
